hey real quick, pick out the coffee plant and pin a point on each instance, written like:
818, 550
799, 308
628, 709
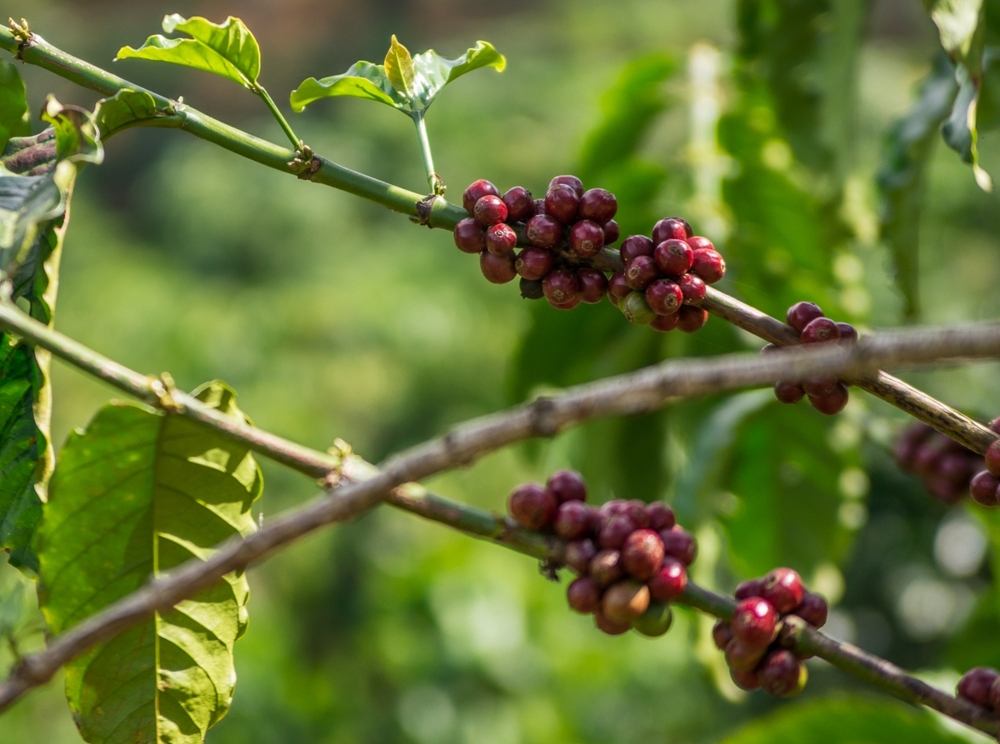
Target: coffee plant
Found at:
140, 532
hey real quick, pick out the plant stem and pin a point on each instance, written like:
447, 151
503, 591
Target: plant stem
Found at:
286, 127
433, 179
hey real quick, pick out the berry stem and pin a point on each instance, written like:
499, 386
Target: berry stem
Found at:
433, 179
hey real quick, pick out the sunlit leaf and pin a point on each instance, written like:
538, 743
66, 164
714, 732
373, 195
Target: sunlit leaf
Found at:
13, 105
363, 80
399, 68
227, 49
136, 494
126, 108
960, 26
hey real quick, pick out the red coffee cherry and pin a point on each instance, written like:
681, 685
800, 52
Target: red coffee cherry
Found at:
642, 554
635, 509
534, 263
579, 554
568, 305
500, 239
956, 468
572, 520
606, 567
618, 287
661, 516
640, 272
586, 238
664, 297
497, 269
532, 505
994, 696
783, 589
593, 285
612, 231
848, 333
625, 601
562, 203
539, 206
698, 243
813, 609
673, 257
567, 485
995, 425
708, 264
693, 288
476, 191
993, 458
742, 657
613, 507
975, 685
802, 314
544, 231
668, 583
819, 331
665, 323
655, 621
789, 392
984, 488
820, 386
560, 286
912, 438
749, 588
782, 674
608, 626
572, 181
691, 318
598, 205
490, 210
584, 595
636, 245
833, 403
614, 531
470, 236
671, 228
755, 622
722, 634
746, 680
520, 205
680, 544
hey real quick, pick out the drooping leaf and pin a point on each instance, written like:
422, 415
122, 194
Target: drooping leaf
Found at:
399, 68
134, 495
960, 28
13, 105
227, 49
901, 178
126, 108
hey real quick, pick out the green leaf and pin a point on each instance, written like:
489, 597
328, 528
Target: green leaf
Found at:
13, 105
135, 495
433, 72
901, 178
845, 721
125, 109
399, 69
363, 80
960, 26
227, 49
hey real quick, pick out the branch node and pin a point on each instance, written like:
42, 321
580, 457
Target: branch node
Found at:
22, 35
424, 209
163, 388
341, 450
305, 165
549, 569
543, 418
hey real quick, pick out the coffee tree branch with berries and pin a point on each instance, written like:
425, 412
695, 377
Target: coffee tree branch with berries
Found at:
142, 527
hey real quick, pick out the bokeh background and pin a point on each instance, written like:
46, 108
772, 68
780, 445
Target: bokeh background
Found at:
765, 124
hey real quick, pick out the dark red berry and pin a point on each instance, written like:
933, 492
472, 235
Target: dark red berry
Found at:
586, 238
520, 205
490, 210
572, 520
833, 403
579, 554
539, 206
956, 468
669, 581
636, 245
614, 531
742, 657
560, 286
848, 333
534, 263
820, 386
746, 679
698, 243
782, 674
612, 232
813, 609
500, 239
928, 456
680, 544
691, 318
531, 289
802, 314
598, 205
593, 285
572, 181
606, 567
708, 264
693, 288
532, 505
642, 554
562, 203
655, 621
584, 595
613, 300
975, 685
671, 228
995, 425
640, 272
947, 491
567, 485
497, 269
783, 589
994, 697
993, 458
470, 236
673, 257
755, 622
665, 323
722, 634
984, 488
476, 191
608, 626
661, 516
789, 392
568, 305
613, 507
636, 310
749, 588
910, 441
635, 509
664, 297
819, 331
625, 601
544, 231
618, 287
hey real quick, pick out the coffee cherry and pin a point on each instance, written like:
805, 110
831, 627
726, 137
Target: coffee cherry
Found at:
612, 231
673, 257
956, 468
500, 239
783, 589
635, 509
476, 191
470, 236
820, 386
567, 485
534, 263
819, 331
614, 531
636, 245
755, 622
789, 392
984, 488
539, 206
618, 287
636, 309
910, 442
661, 516
490, 210
642, 554
671, 228
994, 696
625, 601
691, 318
543, 231
833, 403
665, 323
584, 595
995, 425
945, 490
813, 609
560, 286
749, 588
579, 554
640, 272
722, 634
613, 507
708, 264
586, 238
606, 567
693, 288
598, 205
848, 333
993, 458
532, 505
531, 289
742, 657
520, 205
572, 520
698, 243
669, 581
802, 314
568, 305
608, 626
975, 685
572, 181
562, 203
746, 680
497, 269
664, 297
593, 285
680, 544
782, 674
655, 621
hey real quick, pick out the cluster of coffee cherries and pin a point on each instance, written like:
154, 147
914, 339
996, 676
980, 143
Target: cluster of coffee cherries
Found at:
754, 657
981, 686
631, 557
568, 213
945, 467
826, 394
665, 277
